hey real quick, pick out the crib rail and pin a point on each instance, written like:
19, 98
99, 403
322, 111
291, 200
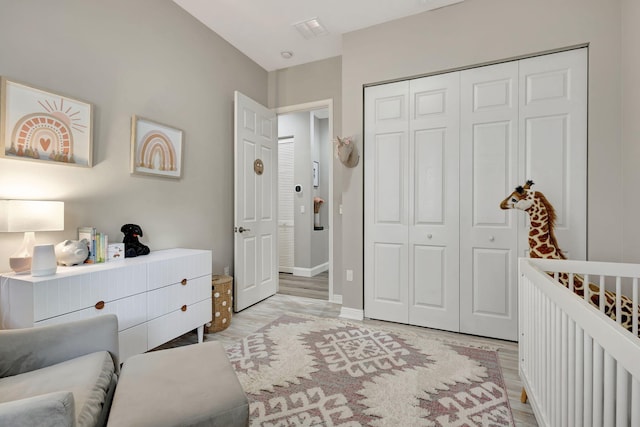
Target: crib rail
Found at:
578, 366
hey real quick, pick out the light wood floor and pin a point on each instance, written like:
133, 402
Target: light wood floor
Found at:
259, 315
309, 287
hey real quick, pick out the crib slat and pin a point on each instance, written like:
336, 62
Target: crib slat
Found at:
571, 373
587, 291
598, 384
571, 284
635, 402
579, 388
634, 309
557, 365
618, 300
563, 363
587, 405
621, 397
602, 298
609, 411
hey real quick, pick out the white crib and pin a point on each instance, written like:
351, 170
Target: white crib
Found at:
578, 366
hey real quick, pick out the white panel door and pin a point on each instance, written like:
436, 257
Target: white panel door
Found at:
553, 143
434, 108
255, 202
386, 202
488, 170
286, 219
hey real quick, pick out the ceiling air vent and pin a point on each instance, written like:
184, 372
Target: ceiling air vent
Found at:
311, 28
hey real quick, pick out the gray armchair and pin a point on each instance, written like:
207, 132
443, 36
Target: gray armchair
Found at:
62, 375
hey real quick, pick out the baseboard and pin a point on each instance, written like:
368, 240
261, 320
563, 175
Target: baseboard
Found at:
351, 313
310, 272
285, 269
337, 299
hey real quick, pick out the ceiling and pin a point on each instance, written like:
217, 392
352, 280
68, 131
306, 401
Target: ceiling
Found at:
263, 29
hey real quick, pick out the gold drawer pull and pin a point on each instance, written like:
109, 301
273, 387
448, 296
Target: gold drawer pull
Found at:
184, 282
183, 308
100, 305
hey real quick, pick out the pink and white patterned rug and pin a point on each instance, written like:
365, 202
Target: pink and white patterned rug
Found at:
309, 371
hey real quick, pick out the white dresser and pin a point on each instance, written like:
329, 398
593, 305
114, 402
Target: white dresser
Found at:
157, 297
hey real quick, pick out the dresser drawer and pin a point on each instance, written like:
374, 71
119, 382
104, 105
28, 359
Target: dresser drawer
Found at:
131, 311
173, 270
170, 298
132, 341
176, 323
58, 296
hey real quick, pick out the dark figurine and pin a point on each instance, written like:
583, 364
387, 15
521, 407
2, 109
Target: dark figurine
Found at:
132, 246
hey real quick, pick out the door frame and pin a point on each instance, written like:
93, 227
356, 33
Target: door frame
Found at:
309, 106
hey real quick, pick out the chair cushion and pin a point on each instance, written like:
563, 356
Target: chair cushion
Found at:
194, 385
87, 377
52, 409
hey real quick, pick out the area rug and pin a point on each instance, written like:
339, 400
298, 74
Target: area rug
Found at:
300, 371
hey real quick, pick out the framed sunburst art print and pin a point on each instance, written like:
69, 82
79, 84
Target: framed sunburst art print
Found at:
42, 126
156, 149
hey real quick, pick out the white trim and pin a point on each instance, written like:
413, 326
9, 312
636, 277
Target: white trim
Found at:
351, 313
310, 272
282, 269
315, 105
336, 299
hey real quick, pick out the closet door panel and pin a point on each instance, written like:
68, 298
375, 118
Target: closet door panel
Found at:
433, 201
489, 167
553, 138
386, 202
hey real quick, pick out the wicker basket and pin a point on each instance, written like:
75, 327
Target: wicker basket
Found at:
221, 301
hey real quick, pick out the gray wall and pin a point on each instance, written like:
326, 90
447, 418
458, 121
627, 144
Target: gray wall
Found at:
320, 153
476, 32
145, 57
631, 129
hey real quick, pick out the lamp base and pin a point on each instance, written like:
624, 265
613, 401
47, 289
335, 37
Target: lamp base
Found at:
20, 261
20, 265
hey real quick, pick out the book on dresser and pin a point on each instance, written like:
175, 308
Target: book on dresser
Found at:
157, 297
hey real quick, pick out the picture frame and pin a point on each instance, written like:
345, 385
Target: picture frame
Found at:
43, 126
156, 148
316, 174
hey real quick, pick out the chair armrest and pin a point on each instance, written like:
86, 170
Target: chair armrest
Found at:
52, 409
25, 350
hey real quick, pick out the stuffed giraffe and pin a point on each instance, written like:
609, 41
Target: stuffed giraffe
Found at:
543, 244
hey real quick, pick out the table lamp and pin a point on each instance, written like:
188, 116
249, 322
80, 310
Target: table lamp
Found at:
29, 216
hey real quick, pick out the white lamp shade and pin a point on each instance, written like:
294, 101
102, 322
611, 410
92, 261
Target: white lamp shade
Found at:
31, 215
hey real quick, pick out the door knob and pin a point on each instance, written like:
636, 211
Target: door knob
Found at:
429, 236
242, 229
491, 238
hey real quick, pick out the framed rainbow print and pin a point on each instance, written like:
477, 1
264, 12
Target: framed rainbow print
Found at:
43, 126
156, 149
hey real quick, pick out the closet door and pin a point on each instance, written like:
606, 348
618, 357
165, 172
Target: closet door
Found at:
386, 202
286, 218
433, 201
553, 143
488, 171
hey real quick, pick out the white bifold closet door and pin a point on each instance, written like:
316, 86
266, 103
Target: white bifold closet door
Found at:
411, 202
441, 153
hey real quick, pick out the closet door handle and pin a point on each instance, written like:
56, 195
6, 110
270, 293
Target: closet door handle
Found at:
99, 305
491, 238
429, 236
